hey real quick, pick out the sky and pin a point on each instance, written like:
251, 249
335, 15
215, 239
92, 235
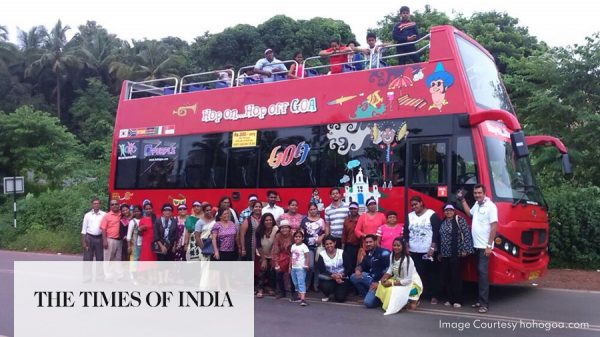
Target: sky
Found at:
558, 23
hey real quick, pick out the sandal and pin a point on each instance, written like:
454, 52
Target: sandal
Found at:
476, 305
483, 310
259, 294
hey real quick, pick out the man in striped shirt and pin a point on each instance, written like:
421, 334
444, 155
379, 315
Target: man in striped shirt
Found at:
335, 214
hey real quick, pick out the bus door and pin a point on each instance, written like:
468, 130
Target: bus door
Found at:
428, 171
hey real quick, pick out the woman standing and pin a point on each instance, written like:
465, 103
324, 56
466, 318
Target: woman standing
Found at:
165, 232
401, 283
455, 243
248, 231
265, 237
192, 251
223, 237
225, 203
422, 235
123, 229
280, 254
370, 221
180, 246
203, 230
313, 227
146, 232
332, 279
292, 215
388, 232
134, 238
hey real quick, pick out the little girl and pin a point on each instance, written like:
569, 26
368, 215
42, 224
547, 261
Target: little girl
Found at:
299, 265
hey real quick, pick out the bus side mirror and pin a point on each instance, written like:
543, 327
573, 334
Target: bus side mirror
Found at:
566, 163
519, 144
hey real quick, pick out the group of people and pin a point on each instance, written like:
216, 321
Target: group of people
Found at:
350, 56
333, 250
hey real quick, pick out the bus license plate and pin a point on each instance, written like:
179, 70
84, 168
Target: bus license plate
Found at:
533, 275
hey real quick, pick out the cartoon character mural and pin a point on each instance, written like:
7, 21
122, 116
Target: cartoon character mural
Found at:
387, 139
439, 81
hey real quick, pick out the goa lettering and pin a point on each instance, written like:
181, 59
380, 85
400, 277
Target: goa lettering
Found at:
285, 157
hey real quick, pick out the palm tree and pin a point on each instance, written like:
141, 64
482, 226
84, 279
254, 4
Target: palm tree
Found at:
155, 60
97, 48
56, 59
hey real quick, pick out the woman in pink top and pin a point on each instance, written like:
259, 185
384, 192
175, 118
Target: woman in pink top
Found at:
296, 70
390, 231
292, 215
369, 222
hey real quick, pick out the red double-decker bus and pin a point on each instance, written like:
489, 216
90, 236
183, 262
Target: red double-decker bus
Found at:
425, 129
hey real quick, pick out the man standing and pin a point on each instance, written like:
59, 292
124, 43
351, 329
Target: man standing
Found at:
335, 214
485, 221
405, 31
370, 270
91, 238
350, 243
248, 211
110, 233
272, 208
268, 65
337, 55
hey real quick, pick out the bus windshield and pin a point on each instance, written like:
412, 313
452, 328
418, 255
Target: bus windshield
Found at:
511, 177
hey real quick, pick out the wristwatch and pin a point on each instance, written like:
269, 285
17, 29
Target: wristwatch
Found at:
490, 246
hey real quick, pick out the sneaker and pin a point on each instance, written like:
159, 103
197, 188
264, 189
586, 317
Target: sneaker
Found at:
295, 298
457, 305
434, 301
303, 303
325, 299
447, 304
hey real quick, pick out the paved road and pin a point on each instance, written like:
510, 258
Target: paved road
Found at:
511, 305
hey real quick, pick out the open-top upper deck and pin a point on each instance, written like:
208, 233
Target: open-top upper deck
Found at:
459, 76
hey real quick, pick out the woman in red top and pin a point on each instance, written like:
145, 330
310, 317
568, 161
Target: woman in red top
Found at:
296, 70
145, 229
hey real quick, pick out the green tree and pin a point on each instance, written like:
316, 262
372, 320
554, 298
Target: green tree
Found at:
93, 112
57, 60
34, 142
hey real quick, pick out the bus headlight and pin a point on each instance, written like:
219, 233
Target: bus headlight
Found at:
507, 246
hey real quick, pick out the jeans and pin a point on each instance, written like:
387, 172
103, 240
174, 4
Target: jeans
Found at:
312, 274
363, 285
483, 280
350, 256
299, 279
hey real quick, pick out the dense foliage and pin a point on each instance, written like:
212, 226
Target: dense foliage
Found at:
58, 100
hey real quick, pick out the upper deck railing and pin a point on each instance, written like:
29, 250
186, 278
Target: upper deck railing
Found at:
224, 78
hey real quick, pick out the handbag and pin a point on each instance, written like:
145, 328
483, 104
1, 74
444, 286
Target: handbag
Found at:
155, 246
207, 247
463, 244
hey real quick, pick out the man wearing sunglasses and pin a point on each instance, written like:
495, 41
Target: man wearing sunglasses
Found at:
483, 229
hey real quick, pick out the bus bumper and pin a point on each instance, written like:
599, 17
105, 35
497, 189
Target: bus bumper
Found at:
505, 270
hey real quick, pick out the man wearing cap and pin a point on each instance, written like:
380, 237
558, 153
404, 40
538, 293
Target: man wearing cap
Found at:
405, 31
248, 210
483, 229
350, 242
268, 65
272, 208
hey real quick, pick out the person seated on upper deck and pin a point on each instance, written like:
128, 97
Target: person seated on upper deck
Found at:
250, 75
406, 31
337, 55
225, 74
355, 59
269, 65
296, 69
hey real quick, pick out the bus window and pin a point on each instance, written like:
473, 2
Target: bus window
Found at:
127, 164
205, 161
242, 168
428, 164
464, 168
286, 159
158, 164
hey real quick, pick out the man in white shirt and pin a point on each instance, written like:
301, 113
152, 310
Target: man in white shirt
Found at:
91, 237
269, 65
277, 211
483, 228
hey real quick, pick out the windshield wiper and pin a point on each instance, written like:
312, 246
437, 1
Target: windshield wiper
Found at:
526, 188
